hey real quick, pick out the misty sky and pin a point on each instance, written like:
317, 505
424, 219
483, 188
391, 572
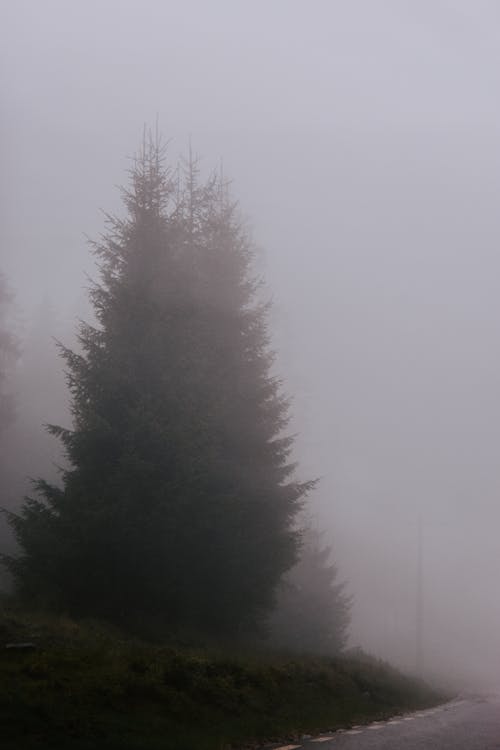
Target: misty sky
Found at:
362, 138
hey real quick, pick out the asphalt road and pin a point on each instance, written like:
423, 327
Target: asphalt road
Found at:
468, 724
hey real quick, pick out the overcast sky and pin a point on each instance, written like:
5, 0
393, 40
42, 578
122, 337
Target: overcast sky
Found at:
362, 138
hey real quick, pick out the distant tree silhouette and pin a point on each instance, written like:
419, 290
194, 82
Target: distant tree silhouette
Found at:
313, 609
180, 499
9, 352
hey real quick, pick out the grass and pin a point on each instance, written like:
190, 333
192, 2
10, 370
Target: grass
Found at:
86, 685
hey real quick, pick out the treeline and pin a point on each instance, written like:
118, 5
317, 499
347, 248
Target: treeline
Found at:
9, 352
33, 386
179, 507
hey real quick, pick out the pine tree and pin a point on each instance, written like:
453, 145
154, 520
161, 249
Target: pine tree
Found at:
179, 500
312, 611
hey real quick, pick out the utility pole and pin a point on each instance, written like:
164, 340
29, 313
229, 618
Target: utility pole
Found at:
419, 650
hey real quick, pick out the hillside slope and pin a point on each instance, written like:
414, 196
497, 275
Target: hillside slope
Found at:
83, 685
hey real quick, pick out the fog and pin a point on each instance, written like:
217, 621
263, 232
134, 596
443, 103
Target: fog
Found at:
362, 142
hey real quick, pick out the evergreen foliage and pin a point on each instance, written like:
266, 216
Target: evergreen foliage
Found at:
179, 498
312, 611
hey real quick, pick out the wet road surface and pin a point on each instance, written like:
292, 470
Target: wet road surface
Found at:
467, 724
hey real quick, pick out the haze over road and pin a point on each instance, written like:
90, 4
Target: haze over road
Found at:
471, 724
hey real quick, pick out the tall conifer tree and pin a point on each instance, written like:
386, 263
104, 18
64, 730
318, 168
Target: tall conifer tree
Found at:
179, 498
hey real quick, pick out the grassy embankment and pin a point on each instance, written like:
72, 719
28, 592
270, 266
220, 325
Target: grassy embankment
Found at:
87, 686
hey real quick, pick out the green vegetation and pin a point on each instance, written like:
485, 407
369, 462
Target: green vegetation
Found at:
179, 499
312, 610
88, 686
